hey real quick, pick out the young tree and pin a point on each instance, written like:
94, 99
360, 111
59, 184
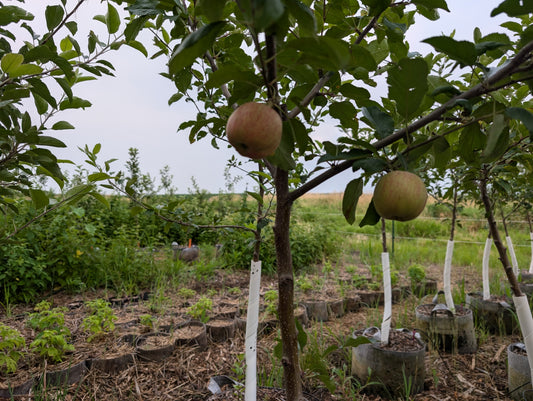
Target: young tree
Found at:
312, 60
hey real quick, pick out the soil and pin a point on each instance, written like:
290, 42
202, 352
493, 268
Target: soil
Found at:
186, 373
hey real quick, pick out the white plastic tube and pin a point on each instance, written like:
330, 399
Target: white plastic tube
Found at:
485, 271
387, 309
448, 275
514, 262
526, 325
250, 342
531, 263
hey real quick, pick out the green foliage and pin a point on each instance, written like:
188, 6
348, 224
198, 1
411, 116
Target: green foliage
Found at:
12, 344
416, 273
186, 293
271, 298
100, 320
51, 341
201, 309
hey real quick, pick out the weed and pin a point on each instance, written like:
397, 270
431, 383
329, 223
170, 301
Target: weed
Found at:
101, 319
12, 344
271, 302
51, 341
186, 293
201, 309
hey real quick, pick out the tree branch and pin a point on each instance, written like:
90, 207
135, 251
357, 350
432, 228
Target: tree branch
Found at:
482, 88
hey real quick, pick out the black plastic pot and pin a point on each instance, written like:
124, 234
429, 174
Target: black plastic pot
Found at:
447, 331
390, 373
518, 372
498, 316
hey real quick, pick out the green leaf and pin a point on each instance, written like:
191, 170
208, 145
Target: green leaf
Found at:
376, 7
38, 87
39, 198
370, 165
497, 139
78, 192
283, 156
100, 198
460, 50
371, 216
26, 69
54, 15
256, 196
379, 120
112, 19
60, 125
98, 177
75, 103
432, 4
523, 115
193, 46
345, 112
138, 46
11, 14
322, 52
356, 342
304, 16
51, 141
471, 141
11, 61
262, 14
408, 85
441, 153
353, 191
212, 9
513, 8
66, 87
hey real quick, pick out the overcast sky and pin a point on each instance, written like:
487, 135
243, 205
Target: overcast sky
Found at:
131, 109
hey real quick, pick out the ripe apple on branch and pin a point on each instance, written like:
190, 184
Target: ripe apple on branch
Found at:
254, 130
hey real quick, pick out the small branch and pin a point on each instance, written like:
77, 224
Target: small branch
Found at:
57, 28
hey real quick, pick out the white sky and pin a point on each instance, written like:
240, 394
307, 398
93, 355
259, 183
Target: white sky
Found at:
131, 109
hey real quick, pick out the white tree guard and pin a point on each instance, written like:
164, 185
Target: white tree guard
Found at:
387, 310
526, 325
531, 263
250, 342
485, 271
514, 262
448, 275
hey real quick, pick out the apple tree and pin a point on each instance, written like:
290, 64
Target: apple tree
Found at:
319, 61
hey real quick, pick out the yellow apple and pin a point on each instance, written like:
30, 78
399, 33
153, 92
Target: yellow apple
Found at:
400, 195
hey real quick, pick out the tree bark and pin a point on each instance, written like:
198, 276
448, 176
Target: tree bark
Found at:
493, 227
289, 360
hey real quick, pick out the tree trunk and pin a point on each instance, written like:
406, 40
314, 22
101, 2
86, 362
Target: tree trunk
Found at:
502, 251
291, 367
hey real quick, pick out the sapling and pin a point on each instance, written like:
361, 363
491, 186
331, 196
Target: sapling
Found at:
520, 300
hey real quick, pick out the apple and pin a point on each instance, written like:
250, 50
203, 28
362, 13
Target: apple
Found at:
400, 195
254, 130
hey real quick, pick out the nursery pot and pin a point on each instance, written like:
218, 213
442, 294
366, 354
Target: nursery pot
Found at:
445, 330
498, 316
518, 372
388, 371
